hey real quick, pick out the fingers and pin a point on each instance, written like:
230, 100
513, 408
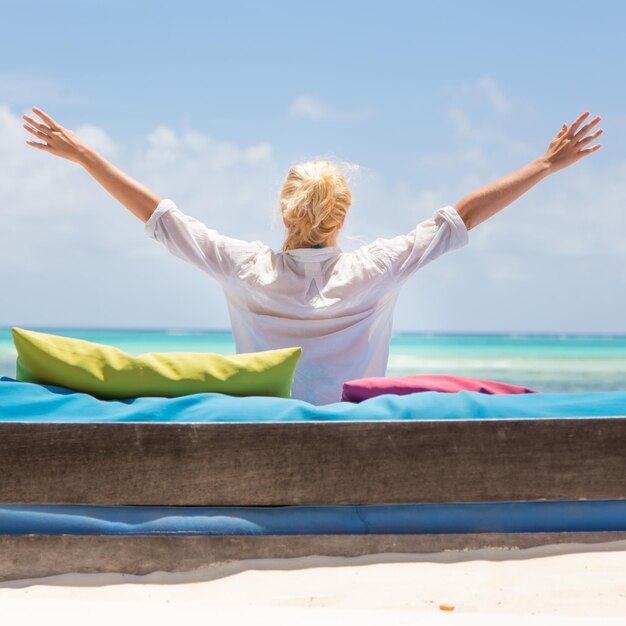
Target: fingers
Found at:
577, 123
590, 150
46, 118
39, 134
39, 130
36, 124
41, 146
589, 139
587, 127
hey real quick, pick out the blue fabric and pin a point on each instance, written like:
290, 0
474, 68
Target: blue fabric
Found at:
572, 516
32, 402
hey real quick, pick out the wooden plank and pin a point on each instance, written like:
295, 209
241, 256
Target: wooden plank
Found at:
309, 463
44, 555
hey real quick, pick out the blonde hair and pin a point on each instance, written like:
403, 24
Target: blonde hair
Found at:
314, 199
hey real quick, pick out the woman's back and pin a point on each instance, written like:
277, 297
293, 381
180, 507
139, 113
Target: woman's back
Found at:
338, 306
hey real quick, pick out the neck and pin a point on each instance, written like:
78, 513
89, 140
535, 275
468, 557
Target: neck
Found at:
332, 243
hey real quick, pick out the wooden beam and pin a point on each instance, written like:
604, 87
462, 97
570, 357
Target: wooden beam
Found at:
307, 463
44, 555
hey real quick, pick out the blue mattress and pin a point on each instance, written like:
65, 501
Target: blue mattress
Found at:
32, 402
473, 517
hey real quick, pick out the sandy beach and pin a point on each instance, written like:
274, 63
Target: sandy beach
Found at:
557, 584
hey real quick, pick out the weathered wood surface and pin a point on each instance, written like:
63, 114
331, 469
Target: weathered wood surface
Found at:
311, 463
44, 555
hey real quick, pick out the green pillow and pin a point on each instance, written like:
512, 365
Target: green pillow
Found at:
107, 372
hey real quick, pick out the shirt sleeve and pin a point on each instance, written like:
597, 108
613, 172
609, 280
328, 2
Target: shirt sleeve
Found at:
405, 254
190, 240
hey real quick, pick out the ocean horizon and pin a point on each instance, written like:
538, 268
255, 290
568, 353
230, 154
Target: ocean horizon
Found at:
548, 362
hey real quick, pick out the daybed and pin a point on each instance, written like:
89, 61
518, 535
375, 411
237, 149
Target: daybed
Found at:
149, 484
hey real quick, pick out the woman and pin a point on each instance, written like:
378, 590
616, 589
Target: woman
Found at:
337, 306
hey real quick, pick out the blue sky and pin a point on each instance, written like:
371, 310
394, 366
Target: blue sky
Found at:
210, 103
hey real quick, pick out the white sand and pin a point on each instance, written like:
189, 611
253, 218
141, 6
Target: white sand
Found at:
560, 584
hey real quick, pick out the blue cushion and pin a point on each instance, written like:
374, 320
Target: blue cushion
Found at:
572, 516
21, 401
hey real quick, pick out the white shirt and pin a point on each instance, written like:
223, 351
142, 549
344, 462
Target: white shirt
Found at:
338, 306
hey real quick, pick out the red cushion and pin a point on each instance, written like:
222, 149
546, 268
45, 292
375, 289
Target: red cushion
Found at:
364, 388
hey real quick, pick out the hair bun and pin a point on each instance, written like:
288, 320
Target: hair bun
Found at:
314, 200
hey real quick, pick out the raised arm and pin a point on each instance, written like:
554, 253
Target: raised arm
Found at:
566, 148
64, 143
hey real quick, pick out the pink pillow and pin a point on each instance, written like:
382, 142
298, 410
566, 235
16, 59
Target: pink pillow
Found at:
364, 388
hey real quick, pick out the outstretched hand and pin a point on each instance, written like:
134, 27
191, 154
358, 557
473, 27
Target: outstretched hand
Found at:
53, 137
569, 144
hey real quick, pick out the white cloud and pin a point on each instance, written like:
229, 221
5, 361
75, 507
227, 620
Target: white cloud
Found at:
308, 108
166, 146
258, 153
473, 156
479, 111
492, 92
484, 91
97, 139
462, 122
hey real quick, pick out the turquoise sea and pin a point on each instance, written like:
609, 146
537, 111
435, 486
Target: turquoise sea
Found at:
544, 362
